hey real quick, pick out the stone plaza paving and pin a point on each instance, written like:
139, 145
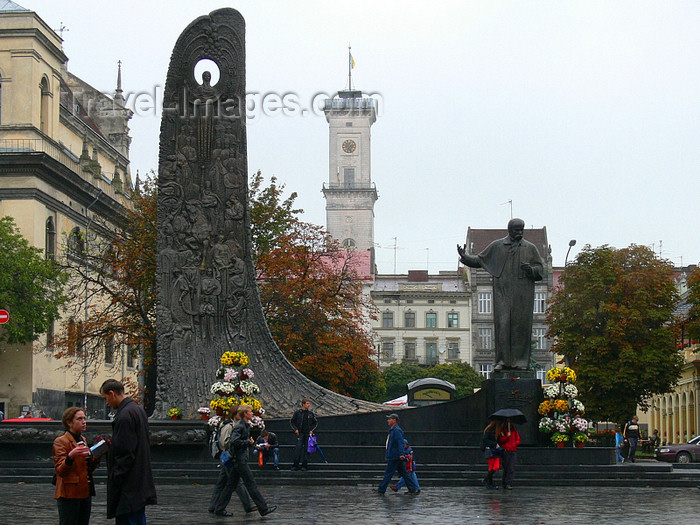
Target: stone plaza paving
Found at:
339, 505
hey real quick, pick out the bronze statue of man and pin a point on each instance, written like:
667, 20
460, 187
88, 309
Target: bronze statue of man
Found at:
515, 265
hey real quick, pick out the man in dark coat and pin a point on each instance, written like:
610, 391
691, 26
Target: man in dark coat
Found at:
304, 424
515, 265
130, 484
395, 457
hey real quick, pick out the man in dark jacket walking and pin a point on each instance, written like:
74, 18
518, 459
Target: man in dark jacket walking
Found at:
395, 457
304, 424
239, 445
130, 484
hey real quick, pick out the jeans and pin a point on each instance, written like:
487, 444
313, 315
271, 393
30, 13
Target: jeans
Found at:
271, 452
391, 467
508, 463
301, 454
74, 511
618, 453
223, 490
633, 448
413, 476
132, 518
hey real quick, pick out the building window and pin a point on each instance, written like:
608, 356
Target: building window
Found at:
452, 320
348, 124
349, 243
409, 319
44, 115
542, 376
431, 320
431, 301
484, 302
485, 371
349, 177
109, 350
540, 302
409, 350
431, 355
453, 350
409, 301
388, 350
50, 240
388, 320
485, 338
76, 247
538, 337
130, 356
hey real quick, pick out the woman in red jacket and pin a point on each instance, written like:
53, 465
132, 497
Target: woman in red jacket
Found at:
508, 439
74, 466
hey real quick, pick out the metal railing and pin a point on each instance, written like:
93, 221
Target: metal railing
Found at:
349, 186
350, 103
41, 145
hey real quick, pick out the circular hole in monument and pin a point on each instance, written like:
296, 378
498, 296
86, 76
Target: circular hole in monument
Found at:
209, 65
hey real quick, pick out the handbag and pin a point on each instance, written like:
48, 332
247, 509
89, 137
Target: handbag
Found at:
226, 458
311, 445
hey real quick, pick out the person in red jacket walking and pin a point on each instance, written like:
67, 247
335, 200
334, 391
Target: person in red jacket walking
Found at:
508, 439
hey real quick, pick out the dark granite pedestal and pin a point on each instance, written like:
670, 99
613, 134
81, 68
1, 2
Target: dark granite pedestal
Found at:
516, 389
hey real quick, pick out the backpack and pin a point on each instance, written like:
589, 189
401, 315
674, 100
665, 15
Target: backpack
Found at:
219, 439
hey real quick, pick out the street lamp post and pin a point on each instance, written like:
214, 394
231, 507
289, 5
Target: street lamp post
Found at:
87, 296
572, 243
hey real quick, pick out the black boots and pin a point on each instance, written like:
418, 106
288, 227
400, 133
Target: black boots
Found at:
488, 480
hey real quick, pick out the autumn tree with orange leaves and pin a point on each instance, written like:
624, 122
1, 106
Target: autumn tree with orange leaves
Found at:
312, 298
115, 272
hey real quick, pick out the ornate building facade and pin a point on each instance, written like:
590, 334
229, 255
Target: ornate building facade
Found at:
64, 168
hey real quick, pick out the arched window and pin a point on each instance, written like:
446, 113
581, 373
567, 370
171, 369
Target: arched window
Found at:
349, 243
76, 246
45, 94
50, 241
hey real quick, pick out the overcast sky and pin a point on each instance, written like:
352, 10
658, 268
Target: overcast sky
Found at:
585, 114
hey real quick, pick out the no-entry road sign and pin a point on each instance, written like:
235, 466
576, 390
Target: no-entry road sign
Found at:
4, 316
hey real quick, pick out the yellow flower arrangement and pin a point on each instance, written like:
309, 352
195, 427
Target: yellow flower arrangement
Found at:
254, 403
562, 375
561, 406
234, 359
545, 407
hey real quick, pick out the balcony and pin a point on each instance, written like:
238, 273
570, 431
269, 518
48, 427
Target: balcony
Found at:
349, 103
41, 145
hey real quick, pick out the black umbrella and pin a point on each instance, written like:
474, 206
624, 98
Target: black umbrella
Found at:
513, 413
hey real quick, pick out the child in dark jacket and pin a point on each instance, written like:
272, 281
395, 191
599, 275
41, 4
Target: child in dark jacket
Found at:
410, 467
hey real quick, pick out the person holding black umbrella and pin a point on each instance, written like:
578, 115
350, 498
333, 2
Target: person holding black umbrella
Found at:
508, 439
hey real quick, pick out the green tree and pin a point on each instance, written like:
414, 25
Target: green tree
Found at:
31, 287
611, 317
271, 215
462, 375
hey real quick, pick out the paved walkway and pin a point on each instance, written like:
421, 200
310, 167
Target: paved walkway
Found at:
183, 505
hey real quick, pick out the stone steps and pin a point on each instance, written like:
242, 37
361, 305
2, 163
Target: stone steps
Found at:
638, 475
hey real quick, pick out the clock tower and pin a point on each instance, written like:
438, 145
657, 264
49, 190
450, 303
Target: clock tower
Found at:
350, 194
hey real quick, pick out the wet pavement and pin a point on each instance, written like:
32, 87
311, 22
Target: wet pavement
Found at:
338, 505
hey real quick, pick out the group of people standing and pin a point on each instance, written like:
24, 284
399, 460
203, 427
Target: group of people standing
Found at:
130, 485
500, 444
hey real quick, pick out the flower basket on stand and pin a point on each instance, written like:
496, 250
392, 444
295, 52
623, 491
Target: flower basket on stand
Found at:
562, 413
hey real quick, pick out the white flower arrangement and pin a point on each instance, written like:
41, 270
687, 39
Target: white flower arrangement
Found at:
247, 373
221, 388
570, 390
248, 387
214, 422
579, 424
204, 411
561, 425
546, 424
257, 422
577, 406
550, 391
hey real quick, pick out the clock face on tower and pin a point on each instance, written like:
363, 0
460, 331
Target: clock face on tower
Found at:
349, 146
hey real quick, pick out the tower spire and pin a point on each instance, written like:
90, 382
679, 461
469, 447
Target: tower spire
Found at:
118, 97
